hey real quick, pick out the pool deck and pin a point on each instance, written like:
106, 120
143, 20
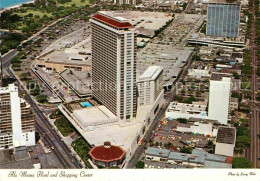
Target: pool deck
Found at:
86, 104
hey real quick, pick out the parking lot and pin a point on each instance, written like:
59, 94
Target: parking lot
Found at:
165, 134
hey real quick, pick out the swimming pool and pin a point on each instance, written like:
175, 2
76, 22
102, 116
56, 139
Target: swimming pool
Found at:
86, 104
203, 114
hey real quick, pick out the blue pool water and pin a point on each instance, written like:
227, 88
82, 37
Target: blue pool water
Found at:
10, 3
86, 104
203, 114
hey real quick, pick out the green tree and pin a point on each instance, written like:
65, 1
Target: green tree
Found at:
197, 57
179, 98
185, 150
42, 98
139, 164
235, 75
243, 141
4, 49
182, 120
15, 60
156, 144
22, 54
184, 5
210, 144
237, 95
242, 131
241, 162
35, 91
64, 126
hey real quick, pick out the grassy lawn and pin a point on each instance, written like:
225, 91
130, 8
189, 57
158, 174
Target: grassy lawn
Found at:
39, 13
43, 15
82, 148
78, 3
64, 126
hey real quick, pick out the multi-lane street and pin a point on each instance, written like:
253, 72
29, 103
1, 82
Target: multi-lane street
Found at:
253, 152
6, 59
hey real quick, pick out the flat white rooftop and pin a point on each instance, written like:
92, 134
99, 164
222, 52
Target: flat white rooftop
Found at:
151, 72
185, 108
92, 116
10, 88
115, 15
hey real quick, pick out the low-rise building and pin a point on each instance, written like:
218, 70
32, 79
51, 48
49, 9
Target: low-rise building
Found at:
157, 154
225, 142
198, 158
120, 2
230, 71
236, 85
18, 158
181, 110
107, 155
78, 81
206, 51
59, 61
238, 57
199, 73
171, 58
197, 127
233, 103
220, 66
216, 42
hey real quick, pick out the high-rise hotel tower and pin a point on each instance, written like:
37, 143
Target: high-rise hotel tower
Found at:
223, 19
114, 64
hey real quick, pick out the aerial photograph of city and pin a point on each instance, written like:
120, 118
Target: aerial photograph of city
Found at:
129, 84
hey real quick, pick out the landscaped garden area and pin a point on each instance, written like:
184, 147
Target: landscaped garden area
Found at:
82, 148
64, 126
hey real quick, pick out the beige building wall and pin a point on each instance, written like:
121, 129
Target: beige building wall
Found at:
59, 67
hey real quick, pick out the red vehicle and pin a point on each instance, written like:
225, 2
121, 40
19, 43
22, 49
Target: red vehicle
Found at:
175, 149
141, 142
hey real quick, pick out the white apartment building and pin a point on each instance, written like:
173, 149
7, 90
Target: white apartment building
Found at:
149, 85
17, 122
219, 97
114, 64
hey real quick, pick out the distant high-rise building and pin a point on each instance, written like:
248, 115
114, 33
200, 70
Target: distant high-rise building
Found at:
219, 97
114, 64
150, 85
120, 2
17, 122
223, 19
